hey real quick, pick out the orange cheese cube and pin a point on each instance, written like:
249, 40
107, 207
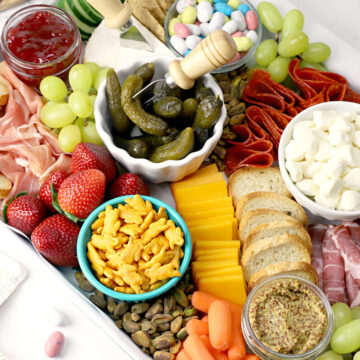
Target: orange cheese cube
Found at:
200, 206
200, 180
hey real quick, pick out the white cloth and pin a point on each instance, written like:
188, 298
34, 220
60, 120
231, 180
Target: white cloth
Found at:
11, 275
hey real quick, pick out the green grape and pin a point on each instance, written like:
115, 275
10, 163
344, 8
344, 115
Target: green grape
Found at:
278, 68
316, 52
266, 52
57, 115
312, 65
355, 311
342, 314
100, 78
330, 355
53, 88
69, 137
80, 104
88, 131
290, 83
92, 102
356, 356
80, 78
294, 44
346, 338
94, 69
293, 21
270, 16
257, 67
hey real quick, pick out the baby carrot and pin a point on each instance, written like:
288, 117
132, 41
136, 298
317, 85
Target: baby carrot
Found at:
237, 349
251, 357
196, 326
220, 325
202, 301
196, 349
216, 354
205, 318
182, 355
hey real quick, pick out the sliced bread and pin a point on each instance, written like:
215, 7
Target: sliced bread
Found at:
249, 179
297, 268
271, 251
272, 201
276, 228
254, 218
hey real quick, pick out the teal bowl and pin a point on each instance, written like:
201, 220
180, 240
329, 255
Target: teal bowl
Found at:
85, 235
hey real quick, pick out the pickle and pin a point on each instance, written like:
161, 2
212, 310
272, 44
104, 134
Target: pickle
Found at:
137, 148
190, 106
146, 72
201, 136
175, 150
154, 141
148, 123
202, 93
120, 120
169, 107
162, 89
207, 112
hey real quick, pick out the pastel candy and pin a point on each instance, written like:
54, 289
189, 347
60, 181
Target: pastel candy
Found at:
219, 1
230, 27
56, 317
217, 21
244, 8
179, 44
237, 33
205, 29
204, 11
192, 41
187, 52
235, 58
183, 4
234, 3
224, 8
239, 17
197, 22
194, 29
252, 35
172, 22
242, 43
54, 344
182, 30
188, 16
251, 19
199, 1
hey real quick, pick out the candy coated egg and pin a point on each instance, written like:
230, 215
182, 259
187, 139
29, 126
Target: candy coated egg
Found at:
239, 17
226, 19
244, 8
54, 344
197, 22
219, 1
242, 43
192, 41
234, 3
237, 33
199, 1
204, 11
205, 29
251, 19
179, 44
183, 4
188, 16
252, 35
187, 52
235, 58
172, 22
230, 27
182, 30
224, 8
56, 317
194, 29
217, 21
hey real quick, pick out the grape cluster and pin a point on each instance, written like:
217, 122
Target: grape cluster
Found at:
274, 56
73, 114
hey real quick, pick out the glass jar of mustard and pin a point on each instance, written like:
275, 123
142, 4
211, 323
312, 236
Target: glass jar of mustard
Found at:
287, 317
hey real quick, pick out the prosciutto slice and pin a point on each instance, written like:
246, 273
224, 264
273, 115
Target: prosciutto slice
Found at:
317, 233
29, 151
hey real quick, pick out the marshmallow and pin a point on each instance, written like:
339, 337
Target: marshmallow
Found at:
294, 151
352, 179
312, 169
310, 157
350, 154
320, 134
301, 127
351, 116
335, 167
356, 138
331, 188
325, 151
320, 178
357, 122
339, 138
329, 202
295, 170
307, 187
350, 200
341, 124
324, 119
309, 141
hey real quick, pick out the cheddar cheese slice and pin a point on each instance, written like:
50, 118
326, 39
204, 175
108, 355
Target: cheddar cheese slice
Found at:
200, 266
201, 180
203, 172
218, 245
212, 231
230, 270
221, 255
200, 206
217, 219
189, 216
216, 252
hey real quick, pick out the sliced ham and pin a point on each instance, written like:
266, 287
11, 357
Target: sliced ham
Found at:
334, 270
354, 229
317, 233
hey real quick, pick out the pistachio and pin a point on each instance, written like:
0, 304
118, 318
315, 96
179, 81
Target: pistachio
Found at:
232, 73
237, 119
152, 349
119, 323
233, 102
140, 308
159, 301
79, 276
220, 152
176, 348
163, 341
155, 335
161, 318
190, 297
163, 326
163, 355
98, 299
181, 298
222, 77
141, 338
175, 325
135, 317
225, 87
190, 288
145, 351
121, 308
177, 313
227, 98
187, 319
237, 109
111, 304
190, 311
169, 304
226, 122
182, 334
127, 317
148, 326
131, 326
155, 309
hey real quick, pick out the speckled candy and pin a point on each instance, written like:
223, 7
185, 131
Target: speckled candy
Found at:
172, 23
235, 58
217, 21
205, 29
194, 29
237, 33
179, 44
188, 16
244, 8
230, 27
204, 11
199, 1
54, 344
251, 19
234, 3
182, 30
242, 43
224, 8
192, 41
183, 4
239, 17
252, 35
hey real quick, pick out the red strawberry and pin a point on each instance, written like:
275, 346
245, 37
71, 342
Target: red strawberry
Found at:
57, 177
55, 238
91, 156
127, 184
26, 213
82, 192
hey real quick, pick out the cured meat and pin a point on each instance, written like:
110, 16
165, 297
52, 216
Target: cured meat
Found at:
29, 151
317, 233
334, 270
354, 229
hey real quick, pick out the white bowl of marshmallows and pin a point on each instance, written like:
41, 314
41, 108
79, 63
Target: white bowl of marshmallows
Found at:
319, 159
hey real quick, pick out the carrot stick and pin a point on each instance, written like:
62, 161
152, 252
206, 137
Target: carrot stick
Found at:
216, 354
220, 325
251, 357
182, 355
196, 349
237, 349
205, 318
196, 326
202, 301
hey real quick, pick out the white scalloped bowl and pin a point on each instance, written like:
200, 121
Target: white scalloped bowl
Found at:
169, 170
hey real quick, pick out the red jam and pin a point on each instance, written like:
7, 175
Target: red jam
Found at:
40, 38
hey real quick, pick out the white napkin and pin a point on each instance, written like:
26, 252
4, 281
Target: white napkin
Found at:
11, 275
3, 357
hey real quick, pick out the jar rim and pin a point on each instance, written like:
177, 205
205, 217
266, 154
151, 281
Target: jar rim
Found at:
250, 335
27, 10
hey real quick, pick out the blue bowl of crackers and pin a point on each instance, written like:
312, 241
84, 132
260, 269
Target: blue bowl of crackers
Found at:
134, 248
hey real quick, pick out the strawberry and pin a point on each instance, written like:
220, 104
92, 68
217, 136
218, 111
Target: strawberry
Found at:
82, 192
25, 213
127, 184
56, 178
92, 156
55, 238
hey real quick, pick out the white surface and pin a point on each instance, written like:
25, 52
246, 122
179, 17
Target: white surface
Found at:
23, 330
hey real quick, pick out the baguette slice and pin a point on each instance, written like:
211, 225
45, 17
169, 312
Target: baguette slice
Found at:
5, 186
271, 251
276, 228
257, 217
272, 201
297, 268
248, 179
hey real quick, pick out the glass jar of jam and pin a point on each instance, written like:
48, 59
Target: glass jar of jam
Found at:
41, 40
